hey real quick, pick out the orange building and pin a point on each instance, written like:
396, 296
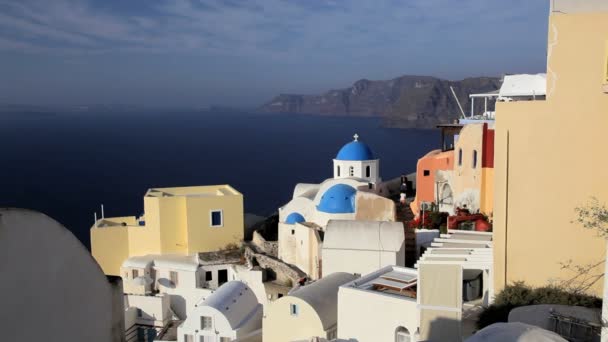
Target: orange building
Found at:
427, 167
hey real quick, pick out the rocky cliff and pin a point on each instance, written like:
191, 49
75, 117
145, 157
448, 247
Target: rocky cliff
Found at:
407, 101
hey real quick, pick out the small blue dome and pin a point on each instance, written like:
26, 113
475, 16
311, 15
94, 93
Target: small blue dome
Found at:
294, 218
339, 199
355, 150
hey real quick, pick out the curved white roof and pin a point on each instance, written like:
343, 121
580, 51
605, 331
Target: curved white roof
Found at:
177, 262
235, 300
139, 261
508, 332
322, 296
364, 235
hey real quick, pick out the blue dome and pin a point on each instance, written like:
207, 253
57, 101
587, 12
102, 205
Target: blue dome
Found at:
294, 218
339, 199
355, 150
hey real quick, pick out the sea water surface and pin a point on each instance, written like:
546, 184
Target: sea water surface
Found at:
66, 164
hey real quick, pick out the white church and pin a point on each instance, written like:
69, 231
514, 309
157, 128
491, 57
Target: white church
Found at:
355, 192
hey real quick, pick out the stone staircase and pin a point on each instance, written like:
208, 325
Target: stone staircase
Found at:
404, 214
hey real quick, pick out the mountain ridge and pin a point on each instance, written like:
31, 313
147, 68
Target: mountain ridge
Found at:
408, 101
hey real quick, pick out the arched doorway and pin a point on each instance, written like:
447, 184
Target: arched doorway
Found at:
402, 335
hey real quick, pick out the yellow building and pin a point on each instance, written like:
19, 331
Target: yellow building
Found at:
550, 156
183, 220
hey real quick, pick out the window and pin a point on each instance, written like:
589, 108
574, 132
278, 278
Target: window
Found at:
217, 218
280, 295
426, 173
208, 276
293, 231
368, 171
173, 277
459, 157
606, 65
351, 171
206, 323
140, 313
188, 338
225, 339
474, 159
338, 171
402, 335
135, 273
293, 309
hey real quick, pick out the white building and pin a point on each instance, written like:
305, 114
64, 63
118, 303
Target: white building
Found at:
160, 288
355, 192
380, 306
52, 289
229, 314
462, 263
362, 247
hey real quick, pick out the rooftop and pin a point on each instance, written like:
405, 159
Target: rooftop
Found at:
193, 191
389, 280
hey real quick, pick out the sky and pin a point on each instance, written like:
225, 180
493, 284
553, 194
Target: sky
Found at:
242, 53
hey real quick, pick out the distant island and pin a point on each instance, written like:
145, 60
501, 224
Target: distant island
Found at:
405, 102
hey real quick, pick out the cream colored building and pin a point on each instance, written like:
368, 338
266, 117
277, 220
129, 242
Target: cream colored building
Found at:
183, 220
310, 311
361, 247
454, 284
380, 306
550, 156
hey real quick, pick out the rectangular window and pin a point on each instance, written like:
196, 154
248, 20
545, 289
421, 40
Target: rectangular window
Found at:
140, 313
459, 157
188, 338
426, 173
606, 66
206, 323
173, 277
208, 276
217, 218
293, 309
135, 273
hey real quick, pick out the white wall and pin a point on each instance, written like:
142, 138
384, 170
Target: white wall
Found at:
359, 261
358, 169
372, 317
185, 294
302, 248
51, 288
155, 309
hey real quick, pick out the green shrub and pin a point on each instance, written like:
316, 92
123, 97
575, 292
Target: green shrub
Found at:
520, 294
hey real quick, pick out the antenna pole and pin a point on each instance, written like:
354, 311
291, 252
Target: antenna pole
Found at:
458, 102
95, 219
102, 214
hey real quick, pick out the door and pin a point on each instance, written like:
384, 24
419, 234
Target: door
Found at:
222, 277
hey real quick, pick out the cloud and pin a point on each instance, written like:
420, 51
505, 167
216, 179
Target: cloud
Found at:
276, 29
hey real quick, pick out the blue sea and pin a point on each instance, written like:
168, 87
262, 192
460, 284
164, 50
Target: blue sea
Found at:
67, 164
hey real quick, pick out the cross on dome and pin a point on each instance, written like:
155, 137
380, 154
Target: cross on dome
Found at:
356, 136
